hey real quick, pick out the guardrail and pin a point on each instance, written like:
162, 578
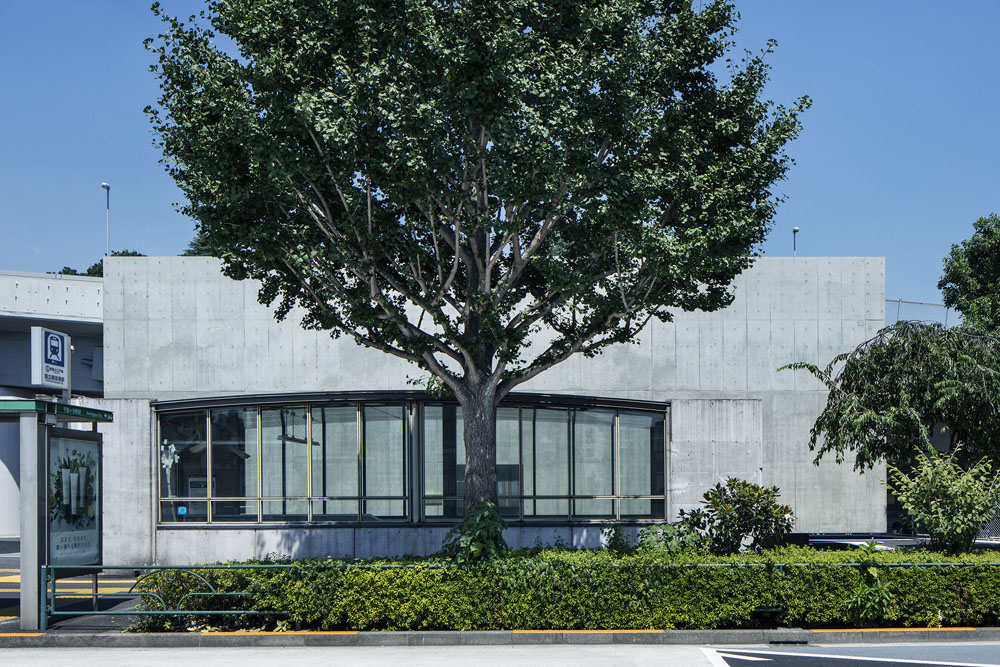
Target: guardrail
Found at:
50, 594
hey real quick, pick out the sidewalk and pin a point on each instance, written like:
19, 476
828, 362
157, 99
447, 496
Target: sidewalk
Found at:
67, 636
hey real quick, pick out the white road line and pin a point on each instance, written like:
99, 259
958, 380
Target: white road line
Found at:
744, 657
906, 661
713, 657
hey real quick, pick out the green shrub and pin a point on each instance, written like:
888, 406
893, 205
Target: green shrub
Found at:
479, 537
952, 504
674, 537
557, 589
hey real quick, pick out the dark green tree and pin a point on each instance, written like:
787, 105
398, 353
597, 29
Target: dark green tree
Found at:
97, 268
199, 246
887, 395
449, 182
971, 280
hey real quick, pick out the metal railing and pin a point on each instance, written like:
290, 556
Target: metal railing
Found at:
50, 576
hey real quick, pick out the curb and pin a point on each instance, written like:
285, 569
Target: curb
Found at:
782, 636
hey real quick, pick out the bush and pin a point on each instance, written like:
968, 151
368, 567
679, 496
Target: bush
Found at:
479, 537
554, 589
735, 515
952, 504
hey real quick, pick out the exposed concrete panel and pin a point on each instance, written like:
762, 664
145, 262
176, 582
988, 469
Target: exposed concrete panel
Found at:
128, 480
710, 441
51, 296
221, 341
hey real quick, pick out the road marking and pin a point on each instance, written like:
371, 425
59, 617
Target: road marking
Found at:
745, 657
713, 657
905, 661
21, 634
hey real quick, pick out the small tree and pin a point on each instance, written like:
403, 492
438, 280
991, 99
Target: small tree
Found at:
887, 395
483, 189
971, 280
952, 504
96, 269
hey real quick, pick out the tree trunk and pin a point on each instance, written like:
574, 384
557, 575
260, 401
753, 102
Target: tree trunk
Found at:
479, 412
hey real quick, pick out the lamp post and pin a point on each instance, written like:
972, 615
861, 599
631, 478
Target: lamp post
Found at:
107, 220
795, 231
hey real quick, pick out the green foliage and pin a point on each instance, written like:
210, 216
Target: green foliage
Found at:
887, 395
443, 181
676, 537
872, 602
971, 280
555, 589
614, 538
198, 246
740, 513
96, 269
950, 503
479, 537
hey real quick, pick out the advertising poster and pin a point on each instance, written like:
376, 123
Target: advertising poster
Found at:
74, 502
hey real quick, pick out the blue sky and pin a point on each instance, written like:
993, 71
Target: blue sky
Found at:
898, 157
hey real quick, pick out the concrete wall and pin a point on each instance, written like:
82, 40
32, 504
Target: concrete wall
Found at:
176, 328
51, 296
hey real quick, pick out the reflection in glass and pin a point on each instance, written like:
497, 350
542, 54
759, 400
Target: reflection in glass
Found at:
234, 510
183, 455
444, 460
551, 445
335, 462
284, 461
384, 461
593, 461
234, 453
508, 462
642, 465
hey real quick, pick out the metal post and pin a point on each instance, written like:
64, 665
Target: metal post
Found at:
43, 619
107, 220
34, 503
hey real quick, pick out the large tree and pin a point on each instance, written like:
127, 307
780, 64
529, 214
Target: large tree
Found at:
888, 395
481, 188
971, 280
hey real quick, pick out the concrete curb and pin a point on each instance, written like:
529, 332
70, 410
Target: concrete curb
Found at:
62, 638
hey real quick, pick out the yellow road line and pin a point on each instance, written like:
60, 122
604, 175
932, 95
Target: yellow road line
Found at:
60, 591
888, 629
580, 631
10, 580
21, 634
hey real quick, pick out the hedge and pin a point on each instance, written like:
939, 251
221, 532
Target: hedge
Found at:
559, 589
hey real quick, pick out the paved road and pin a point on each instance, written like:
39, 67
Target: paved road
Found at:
871, 655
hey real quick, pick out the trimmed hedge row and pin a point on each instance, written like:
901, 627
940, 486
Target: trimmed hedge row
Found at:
555, 589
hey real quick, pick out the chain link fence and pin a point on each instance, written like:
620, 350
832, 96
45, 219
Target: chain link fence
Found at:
900, 309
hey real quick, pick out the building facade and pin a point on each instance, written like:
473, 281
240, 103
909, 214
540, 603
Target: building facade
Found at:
236, 436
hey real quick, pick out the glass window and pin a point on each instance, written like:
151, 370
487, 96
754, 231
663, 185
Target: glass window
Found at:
508, 462
444, 460
234, 453
384, 462
642, 464
335, 462
284, 462
593, 462
550, 434
183, 461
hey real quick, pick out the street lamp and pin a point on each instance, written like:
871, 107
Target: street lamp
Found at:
795, 231
107, 220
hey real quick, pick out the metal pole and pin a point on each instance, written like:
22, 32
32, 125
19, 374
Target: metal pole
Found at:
795, 231
107, 219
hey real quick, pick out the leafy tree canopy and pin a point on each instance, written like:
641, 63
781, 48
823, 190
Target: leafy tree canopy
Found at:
971, 280
97, 268
888, 394
444, 180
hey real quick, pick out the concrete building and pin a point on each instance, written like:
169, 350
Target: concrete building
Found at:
236, 435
